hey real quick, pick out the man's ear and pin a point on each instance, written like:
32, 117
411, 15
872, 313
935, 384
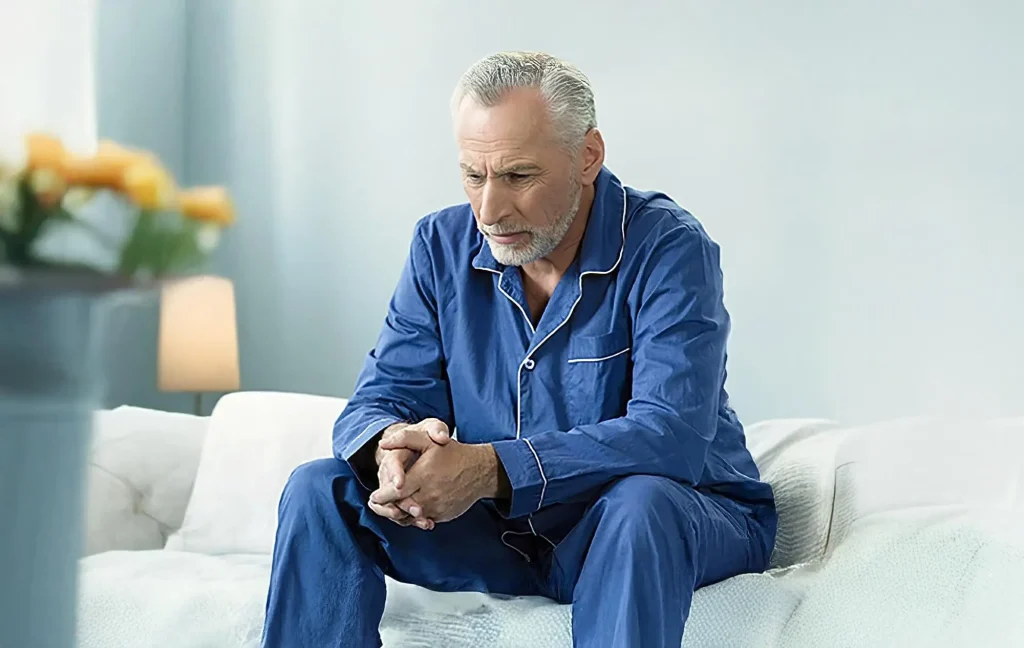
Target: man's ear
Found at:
593, 156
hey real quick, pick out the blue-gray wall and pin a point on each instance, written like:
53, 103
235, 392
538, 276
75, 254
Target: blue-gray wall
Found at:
141, 101
857, 161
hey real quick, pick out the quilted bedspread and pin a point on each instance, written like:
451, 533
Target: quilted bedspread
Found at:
931, 579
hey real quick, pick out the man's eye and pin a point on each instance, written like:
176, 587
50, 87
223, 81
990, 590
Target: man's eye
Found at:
474, 178
517, 177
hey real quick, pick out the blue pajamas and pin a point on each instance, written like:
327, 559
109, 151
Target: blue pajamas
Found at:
630, 479
628, 565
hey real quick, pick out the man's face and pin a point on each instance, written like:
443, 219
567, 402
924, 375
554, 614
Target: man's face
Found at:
523, 186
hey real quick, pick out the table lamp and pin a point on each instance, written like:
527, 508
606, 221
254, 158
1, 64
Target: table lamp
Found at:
198, 341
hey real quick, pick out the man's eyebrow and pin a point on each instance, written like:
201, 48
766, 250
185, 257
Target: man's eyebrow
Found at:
522, 167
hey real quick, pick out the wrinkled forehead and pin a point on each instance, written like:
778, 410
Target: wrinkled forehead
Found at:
520, 123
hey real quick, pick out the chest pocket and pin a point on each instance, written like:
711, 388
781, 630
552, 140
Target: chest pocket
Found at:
599, 376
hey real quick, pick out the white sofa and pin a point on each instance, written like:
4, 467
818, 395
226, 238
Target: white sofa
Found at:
903, 533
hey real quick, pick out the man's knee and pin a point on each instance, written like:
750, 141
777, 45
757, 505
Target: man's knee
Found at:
312, 482
638, 502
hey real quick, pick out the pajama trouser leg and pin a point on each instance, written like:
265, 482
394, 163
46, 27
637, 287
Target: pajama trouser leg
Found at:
630, 566
332, 553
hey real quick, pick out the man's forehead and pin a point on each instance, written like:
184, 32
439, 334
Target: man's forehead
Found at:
520, 119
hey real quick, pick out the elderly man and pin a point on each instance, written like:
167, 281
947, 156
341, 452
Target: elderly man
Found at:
544, 412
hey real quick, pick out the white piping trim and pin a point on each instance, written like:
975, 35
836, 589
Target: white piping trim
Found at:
366, 435
518, 305
608, 357
544, 486
525, 557
529, 520
625, 206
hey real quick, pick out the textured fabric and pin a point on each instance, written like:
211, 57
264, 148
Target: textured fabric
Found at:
925, 530
623, 373
898, 580
649, 540
798, 458
142, 466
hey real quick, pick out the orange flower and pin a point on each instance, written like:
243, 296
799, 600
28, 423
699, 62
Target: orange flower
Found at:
148, 185
105, 169
44, 151
207, 204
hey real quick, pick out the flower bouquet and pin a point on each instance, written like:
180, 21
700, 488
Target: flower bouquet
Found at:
116, 212
73, 229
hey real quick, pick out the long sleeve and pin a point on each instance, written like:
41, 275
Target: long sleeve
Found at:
679, 348
403, 378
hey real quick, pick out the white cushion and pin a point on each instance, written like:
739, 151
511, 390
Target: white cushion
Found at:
942, 465
797, 457
142, 466
255, 441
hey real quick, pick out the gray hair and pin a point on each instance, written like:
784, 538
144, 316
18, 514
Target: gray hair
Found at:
565, 89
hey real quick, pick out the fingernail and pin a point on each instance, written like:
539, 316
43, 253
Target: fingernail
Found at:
394, 482
415, 511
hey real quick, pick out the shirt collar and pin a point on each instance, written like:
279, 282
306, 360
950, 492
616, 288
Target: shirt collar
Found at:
603, 239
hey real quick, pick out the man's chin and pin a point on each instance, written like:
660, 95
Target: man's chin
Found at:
512, 255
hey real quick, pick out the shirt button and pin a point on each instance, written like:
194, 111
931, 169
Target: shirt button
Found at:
529, 364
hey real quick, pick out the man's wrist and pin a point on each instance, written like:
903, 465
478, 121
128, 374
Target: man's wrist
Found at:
496, 484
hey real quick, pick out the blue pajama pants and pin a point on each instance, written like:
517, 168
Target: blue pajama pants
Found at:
628, 561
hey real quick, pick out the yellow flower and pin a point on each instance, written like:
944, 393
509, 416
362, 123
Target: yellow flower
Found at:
207, 204
105, 169
148, 185
44, 152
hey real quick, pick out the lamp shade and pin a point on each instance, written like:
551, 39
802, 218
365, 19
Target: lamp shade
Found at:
198, 346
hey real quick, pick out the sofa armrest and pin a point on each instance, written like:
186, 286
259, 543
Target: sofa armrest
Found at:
142, 468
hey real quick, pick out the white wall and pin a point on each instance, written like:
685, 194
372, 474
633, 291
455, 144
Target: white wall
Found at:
859, 162
46, 73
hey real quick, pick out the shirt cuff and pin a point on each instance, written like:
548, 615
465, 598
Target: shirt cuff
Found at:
525, 474
364, 437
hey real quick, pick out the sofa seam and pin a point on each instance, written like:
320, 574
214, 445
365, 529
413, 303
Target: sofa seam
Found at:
163, 528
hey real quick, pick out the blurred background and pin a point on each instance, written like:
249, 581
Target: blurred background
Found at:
860, 164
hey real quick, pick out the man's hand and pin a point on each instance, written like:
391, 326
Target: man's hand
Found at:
445, 480
392, 465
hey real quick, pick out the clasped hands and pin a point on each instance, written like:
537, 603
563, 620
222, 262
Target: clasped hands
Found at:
427, 477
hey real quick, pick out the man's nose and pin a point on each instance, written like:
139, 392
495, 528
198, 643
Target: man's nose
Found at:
493, 204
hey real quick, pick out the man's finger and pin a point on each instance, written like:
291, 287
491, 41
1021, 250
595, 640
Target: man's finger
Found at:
410, 506
437, 430
391, 512
409, 438
394, 471
388, 494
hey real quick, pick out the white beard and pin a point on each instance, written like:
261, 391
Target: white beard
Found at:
542, 241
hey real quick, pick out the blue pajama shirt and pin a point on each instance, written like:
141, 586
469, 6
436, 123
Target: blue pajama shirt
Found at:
631, 482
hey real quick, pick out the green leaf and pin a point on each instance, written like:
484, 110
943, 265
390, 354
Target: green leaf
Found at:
161, 244
33, 216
